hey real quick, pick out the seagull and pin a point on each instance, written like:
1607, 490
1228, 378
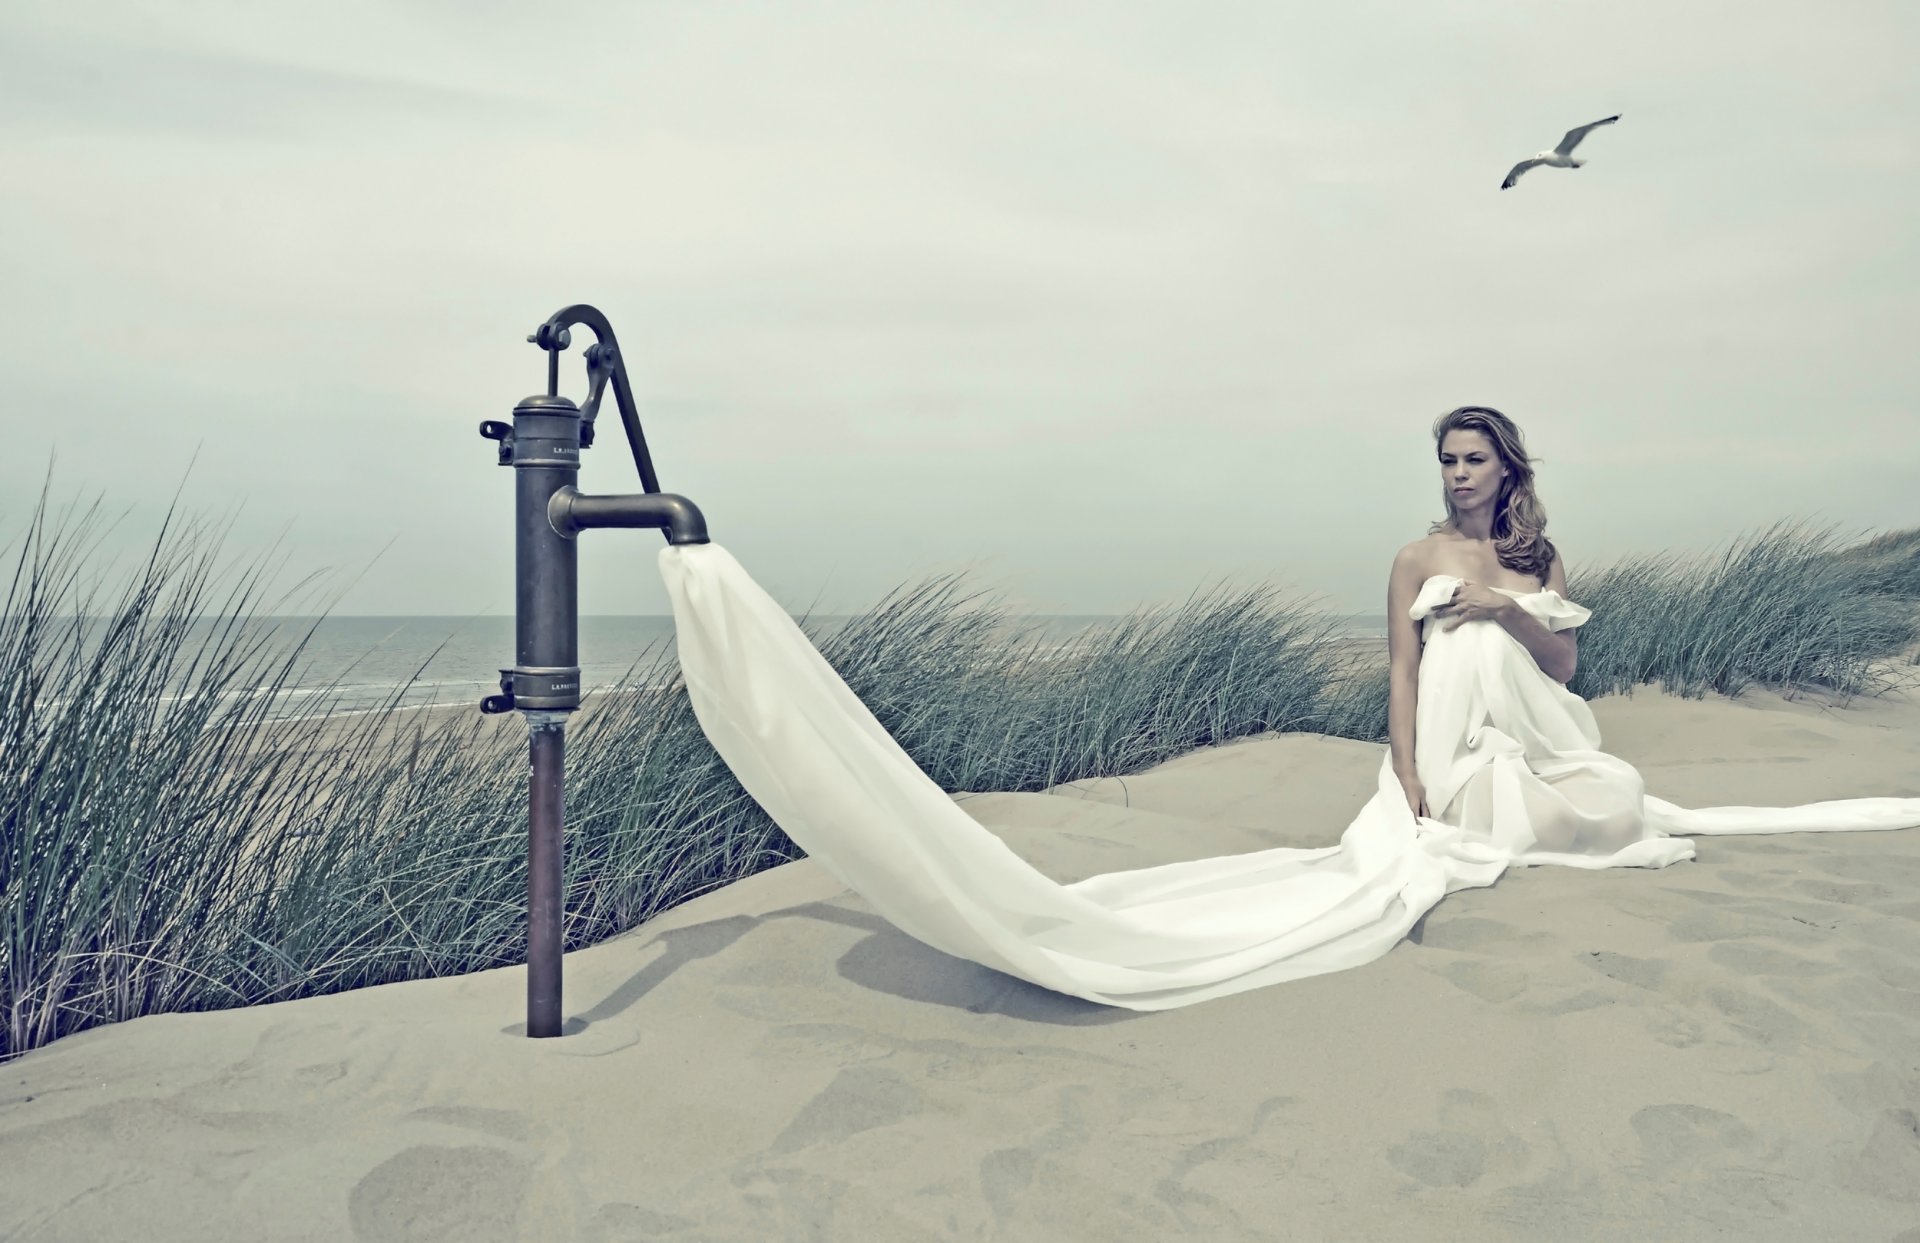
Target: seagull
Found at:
1562, 155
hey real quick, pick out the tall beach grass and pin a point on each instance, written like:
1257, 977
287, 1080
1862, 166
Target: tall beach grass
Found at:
1789, 607
169, 846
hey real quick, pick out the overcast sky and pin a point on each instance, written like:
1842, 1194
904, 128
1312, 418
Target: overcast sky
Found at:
1098, 302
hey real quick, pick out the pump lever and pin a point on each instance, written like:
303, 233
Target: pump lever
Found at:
601, 360
604, 364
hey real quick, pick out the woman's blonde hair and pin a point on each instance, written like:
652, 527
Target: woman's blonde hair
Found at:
1519, 519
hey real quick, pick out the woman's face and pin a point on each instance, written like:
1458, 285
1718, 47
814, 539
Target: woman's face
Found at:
1470, 469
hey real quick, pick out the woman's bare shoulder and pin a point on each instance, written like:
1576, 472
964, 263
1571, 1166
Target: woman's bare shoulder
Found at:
1417, 556
1556, 579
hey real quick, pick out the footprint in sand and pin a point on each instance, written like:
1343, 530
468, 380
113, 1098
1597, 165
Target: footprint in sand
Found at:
1007, 1174
1711, 897
1723, 924
1847, 893
1761, 846
1679, 1138
1873, 868
1490, 979
1748, 881
1204, 1189
1497, 982
1487, 980
1472, 1141
1761, 1022
1747, 958
1896, 971
1887, 1163
1470, 932
1677, 1031
860, 1098
470, 1193
988, 1069
1640, 972
620, 1221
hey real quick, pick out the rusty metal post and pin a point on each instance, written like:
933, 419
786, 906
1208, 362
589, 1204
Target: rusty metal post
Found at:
546, 825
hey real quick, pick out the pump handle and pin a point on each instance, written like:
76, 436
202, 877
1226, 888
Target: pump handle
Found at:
604, 363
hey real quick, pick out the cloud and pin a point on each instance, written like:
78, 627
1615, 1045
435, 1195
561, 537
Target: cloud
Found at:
871, 262
56, 85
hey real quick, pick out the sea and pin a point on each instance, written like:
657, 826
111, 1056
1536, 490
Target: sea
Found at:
350, 665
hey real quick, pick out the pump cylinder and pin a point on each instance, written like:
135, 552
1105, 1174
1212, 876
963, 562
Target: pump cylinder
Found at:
546, 458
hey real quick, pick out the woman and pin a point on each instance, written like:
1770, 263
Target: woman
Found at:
1492, 763
1494, 534
1483, 736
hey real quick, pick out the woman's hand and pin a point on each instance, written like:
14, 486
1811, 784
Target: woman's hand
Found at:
1472, 602
1416, 795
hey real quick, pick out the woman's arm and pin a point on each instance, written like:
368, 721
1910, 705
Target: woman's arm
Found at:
1403, 671
1557, 652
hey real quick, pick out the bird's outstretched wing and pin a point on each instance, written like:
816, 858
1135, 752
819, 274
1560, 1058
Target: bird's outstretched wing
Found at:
1575, 134
1519, 168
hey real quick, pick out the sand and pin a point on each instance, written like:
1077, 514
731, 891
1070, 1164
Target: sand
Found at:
1729, 1048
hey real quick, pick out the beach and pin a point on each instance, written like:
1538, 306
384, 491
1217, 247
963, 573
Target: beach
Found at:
1027, 430
1723, 1048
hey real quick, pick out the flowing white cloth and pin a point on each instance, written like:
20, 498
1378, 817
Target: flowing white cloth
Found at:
1509, 757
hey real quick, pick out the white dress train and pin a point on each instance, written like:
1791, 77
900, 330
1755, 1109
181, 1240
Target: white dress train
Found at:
1510, 758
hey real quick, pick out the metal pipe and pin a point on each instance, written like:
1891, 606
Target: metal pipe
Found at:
546, 825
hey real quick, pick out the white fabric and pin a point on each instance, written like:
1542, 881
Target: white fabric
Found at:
1510, 759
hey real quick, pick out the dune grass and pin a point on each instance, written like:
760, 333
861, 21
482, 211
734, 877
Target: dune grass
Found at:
169, 846
1787, 607
1888, 563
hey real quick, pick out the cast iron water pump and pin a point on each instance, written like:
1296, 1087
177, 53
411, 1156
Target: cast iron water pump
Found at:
543, 446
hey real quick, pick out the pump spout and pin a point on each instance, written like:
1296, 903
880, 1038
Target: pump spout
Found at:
572, 511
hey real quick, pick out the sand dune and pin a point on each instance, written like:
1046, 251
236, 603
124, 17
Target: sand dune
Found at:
1726, 1048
